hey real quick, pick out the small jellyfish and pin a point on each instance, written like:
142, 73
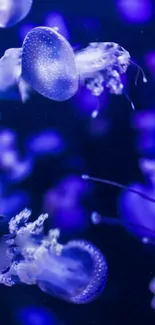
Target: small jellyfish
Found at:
11, 81
13, 11
101, 65
75, 272
48, 64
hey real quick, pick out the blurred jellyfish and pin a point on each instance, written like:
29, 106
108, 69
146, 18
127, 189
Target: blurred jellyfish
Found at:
7, 139
75, 272
56, 20
152, 289
21, 169
10, 76
135, 11
50, 70
46, 142
136, 208
64, 203
149, 59
13, 11
32, 315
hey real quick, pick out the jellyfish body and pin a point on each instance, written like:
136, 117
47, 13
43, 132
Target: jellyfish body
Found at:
75, 272
48, 64
101, 65
13, 11
10, 75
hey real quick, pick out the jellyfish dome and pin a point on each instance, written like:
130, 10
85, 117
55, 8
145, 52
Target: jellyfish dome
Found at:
48, 64
75, 272
13, 11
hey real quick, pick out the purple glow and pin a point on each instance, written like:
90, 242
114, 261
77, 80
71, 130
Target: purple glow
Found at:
84, 100
144, 120
98, 127
24, 29
150, 62
21, 170
8, 159
144, 124
135, 11
46, 142
11, 205
55, 19
35, 316
64, 203
134, 209
7, 139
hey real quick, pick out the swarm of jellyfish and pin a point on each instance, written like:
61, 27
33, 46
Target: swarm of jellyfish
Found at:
75, 272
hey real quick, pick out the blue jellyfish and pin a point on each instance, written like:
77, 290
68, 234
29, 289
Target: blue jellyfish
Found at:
56, 72
75, 272
48, 64
13, 11
10, 76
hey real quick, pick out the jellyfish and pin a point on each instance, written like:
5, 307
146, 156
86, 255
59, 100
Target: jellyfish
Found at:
56, 71
101, 65
11, 82
48, 64
142, 227
13, 11
75, 272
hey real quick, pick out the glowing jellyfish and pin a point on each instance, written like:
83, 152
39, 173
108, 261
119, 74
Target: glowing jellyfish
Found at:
101, 65
10, 75
13, 11
55, 71
75, 272
48, 64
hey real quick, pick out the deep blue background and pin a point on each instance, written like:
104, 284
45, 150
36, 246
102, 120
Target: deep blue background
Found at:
126, 298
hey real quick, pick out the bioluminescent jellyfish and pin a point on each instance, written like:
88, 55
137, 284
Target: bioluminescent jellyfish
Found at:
75, 272
13, 11
101, 65
48, 64
56, 72
10, 76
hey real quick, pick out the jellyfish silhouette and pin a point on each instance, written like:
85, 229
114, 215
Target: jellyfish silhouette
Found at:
48, 64
13, 11
75, 272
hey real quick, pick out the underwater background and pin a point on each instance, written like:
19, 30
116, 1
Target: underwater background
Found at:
45, 147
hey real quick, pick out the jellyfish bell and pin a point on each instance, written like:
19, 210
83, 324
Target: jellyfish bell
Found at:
13, 11
84, 272
48, 64
75, 272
